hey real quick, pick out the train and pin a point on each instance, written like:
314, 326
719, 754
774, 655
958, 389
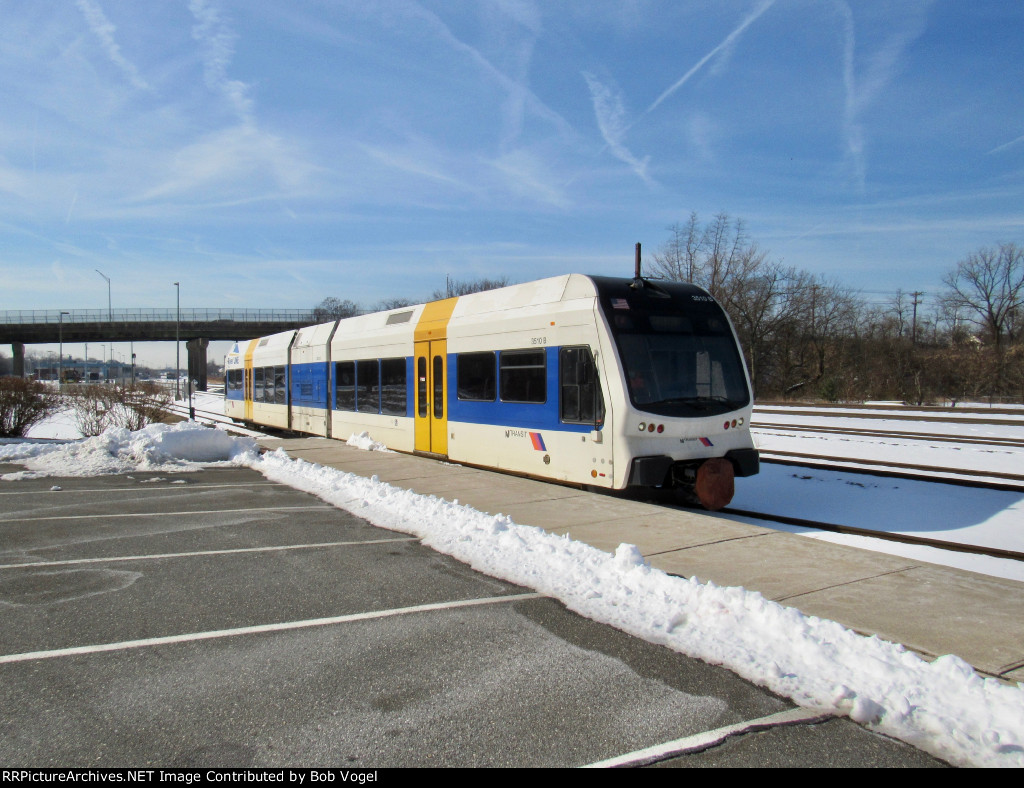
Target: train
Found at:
595, 381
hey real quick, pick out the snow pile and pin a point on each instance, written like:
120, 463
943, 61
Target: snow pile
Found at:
178, 447
365, 442
942, 707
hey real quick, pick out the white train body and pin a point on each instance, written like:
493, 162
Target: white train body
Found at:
585, 380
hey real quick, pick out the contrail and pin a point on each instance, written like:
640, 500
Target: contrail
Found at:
700, 64
1006, 145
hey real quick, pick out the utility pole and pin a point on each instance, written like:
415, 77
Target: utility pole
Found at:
177, 346
913, 326
60, 361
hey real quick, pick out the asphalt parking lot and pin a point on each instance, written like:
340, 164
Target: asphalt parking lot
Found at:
218, 619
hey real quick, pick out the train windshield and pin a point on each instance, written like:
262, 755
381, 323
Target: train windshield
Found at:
678, 354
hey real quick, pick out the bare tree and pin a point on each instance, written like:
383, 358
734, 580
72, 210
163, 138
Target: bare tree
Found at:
988, 286
457, 287
334, 309
680, 257
386, 304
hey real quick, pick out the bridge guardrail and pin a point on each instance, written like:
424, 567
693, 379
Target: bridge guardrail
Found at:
53, 316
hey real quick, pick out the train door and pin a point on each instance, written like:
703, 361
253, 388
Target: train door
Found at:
247, 392
431, 397
430, 362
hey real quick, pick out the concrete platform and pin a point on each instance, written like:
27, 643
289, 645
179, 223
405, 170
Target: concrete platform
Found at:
931, 609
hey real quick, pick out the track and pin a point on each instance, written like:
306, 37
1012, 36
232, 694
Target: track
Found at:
993, 552
990, 480
948, 428
760, 426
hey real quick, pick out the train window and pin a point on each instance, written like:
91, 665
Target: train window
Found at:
477, 376
392, 387
280, 389
581, 399
345, 383
421, 386
234, 380
523, 376
438, 387
268, 385
257, 384
368, 386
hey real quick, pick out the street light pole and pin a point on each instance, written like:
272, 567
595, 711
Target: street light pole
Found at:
110, 312
177, 347
60, 354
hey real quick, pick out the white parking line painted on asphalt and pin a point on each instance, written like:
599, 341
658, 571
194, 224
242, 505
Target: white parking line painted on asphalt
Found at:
226, 551
263, 628
708, 739
144, 487
164, 514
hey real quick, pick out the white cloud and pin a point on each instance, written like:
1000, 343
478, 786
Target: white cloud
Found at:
611, 120
217, 43
104, 31
863, 86
232, 165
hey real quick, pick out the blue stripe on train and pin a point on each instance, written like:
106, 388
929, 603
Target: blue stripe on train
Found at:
525, 415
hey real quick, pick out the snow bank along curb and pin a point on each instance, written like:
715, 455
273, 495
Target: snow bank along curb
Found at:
942, 707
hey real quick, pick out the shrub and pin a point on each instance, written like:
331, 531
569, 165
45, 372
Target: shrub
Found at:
24, 403
131, 406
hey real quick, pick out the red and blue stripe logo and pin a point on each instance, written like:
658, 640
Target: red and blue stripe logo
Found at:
707, 442
538, 441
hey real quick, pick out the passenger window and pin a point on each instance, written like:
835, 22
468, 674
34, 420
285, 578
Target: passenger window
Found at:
581, 401
280, 389
345, 383
477, 376
368, 386
393, 387
257, 385
523, 376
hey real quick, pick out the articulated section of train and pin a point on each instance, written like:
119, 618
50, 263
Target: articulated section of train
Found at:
585, 380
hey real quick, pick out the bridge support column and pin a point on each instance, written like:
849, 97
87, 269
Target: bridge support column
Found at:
18, 351
197, 361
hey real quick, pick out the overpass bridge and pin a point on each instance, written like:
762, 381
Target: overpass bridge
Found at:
195, 326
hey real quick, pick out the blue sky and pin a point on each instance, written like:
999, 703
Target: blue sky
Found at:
269, 154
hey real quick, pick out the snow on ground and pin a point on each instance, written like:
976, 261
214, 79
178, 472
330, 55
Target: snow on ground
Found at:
365, 442
942, 707
945, 512
940, 454
158, 447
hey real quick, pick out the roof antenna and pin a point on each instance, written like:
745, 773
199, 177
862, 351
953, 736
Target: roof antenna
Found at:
638, 281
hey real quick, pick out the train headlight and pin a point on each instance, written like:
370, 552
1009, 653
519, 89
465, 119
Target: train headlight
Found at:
643, 427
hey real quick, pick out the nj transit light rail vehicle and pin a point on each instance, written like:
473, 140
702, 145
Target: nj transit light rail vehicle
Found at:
585, 380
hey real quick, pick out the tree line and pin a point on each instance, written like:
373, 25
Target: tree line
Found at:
809, 337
